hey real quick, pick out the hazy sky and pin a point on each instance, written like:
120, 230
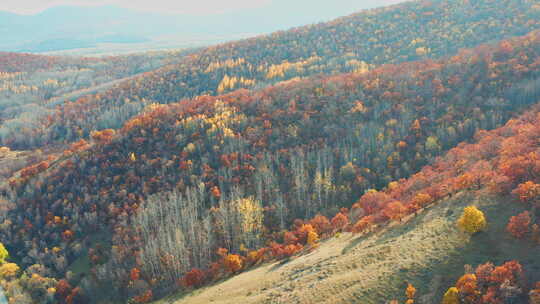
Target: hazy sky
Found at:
171, 6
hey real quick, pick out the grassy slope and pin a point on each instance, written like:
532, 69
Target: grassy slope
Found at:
426, 250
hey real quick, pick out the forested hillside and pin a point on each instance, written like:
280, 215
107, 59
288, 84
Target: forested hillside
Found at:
357, 43
32, 87
139, 176
464, 229
179, 181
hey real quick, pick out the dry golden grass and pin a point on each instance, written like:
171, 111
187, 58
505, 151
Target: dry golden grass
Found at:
427, 250
348, 269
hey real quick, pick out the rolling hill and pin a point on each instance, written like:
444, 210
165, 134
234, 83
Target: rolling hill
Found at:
427, 251
284, 152
355, 43
325, 163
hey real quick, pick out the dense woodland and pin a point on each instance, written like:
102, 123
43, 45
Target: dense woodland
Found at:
406, 32
252, 151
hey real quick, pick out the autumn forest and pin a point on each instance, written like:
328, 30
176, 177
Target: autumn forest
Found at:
167, 175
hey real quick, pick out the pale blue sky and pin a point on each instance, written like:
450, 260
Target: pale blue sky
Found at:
199, 7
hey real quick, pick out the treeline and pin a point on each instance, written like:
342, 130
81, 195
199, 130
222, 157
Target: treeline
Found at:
116, 65
16, 62
357, 43
285, 152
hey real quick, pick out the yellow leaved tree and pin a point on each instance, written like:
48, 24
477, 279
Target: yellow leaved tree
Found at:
312, 238
451, 296
3, 254
410, 291
8, 270
472, 220
251, 220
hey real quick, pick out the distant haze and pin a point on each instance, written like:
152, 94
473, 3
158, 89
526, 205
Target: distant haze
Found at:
198, 7
41, 26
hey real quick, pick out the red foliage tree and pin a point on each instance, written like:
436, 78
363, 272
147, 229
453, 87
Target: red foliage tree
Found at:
340, 221
193, 278
289, 238
321, 224
363, 224
519, 225
502, 273
372, 202
395, 210
491, 284
283, 251
527, 191
483, 273
134, 274
491, 296
103, 137
63, 289
144, 298
290, 250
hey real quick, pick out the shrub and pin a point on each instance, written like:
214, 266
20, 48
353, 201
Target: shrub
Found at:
233, 263
194, 278
451, 296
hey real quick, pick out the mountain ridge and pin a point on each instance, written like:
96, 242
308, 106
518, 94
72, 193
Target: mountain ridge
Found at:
87, 23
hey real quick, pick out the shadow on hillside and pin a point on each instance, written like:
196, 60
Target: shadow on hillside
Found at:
387, 232
279, 264
390, 231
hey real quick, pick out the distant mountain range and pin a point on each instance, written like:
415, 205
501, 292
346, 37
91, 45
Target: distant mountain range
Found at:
74, 27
